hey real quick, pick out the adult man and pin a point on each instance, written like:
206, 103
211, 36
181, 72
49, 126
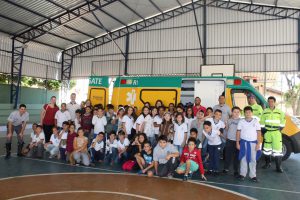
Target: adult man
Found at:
73, 106
226, 112
16, 123
257, 109
272, 122
198, 106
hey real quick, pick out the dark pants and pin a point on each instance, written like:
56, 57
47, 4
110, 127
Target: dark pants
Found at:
231, 153
63, 154
96, 155
214, 156
169, 167
36, 151
48, 132
112, 157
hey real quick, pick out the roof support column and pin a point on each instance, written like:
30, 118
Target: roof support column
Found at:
66, 70
126, 54
204, 32
16, 71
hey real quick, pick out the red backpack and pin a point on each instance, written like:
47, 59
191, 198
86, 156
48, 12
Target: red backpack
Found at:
128, 165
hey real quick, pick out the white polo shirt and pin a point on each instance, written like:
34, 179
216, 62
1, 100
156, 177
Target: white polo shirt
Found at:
99, 123
213, 138
140, 120
37, 138
216, 125
249, 129
72, 107
123, 145
128, 123
98, 145
55, 140
61, 117
158, 120
179, 130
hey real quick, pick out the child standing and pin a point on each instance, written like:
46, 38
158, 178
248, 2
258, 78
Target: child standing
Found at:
99, 121
180, 132
128, 122
77, 120
213, 147
248, 142
63, 135
231, 152
148, 126
70, 142
190, 160
167, 127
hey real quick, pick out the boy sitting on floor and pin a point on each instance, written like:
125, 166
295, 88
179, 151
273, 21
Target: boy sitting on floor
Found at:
97, 149
36, 146
145, 160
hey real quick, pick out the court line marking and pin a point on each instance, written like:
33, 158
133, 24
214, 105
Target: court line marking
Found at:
195, 181
82, 191
129, 174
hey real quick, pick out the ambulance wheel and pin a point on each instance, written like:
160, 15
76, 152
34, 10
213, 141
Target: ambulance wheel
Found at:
286, 148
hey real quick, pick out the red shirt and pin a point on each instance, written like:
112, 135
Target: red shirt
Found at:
195, 155
86, 122
70, 140
50, 114
195, 109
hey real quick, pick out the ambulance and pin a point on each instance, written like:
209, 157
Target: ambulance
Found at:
136, 91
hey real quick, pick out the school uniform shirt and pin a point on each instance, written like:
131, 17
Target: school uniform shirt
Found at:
124, 144
61, 117
72, 107
147, 157
99, 123
149, 126
139, 121
158, 120
37, 138
226, 111
99, 145
160, 154
213, 137
249, 129
110, 145
188, 122
63, 139
77, 124
232, 128
128, 123
216, 125
55, 140
179, 130
194, 155
16, 119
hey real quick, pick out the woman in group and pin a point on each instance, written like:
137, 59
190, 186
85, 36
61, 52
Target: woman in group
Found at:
80, 153
48, 117
128, 121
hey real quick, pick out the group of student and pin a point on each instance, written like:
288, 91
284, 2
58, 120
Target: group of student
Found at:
160, 141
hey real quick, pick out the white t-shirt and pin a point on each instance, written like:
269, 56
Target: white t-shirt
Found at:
64, 136
99, 123
128, 123
121, 145
54, 139
98, 145
110, 145
61, 117
158, 121
249, 129
77, 124
139, 121
179, 130
37, 138
213, 138
216, 125
149, 126
188, 122
72, 107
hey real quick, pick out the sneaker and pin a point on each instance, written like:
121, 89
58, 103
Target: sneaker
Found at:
190, 175
210, 172
254, 179
241, 178
225, 171
170, 175
185, 178
140, 172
